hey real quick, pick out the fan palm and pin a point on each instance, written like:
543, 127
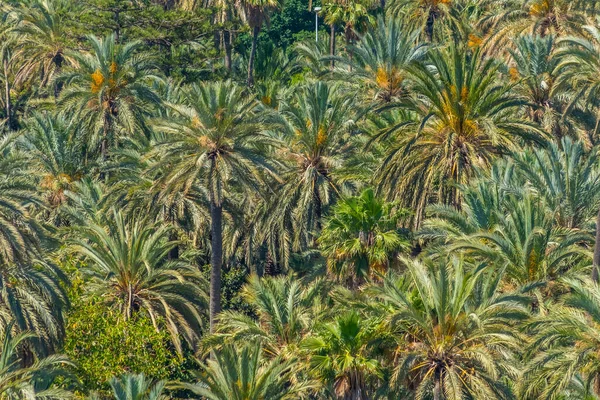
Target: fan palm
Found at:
127, 265
565, 344
340, 353
454, 329
110, 91
217, 143
244, 374
361, 237
464, 118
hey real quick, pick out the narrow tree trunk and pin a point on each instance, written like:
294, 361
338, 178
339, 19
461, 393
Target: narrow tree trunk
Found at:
117, 26
332, 44
227, 45
255, 33
58, 61
437, 389
7, 95
597, 384
429, 25
596, 259
216, 260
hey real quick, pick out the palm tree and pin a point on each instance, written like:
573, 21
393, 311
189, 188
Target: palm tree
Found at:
33, 381
128, 266
534, 66
256, 13
56, 154
566, 177
339, 352
579, 70
355, 16
110, 91
216, 143
565, 344
285, 310
318, 120
362, 237
135, 387
454, 329
381, 58
42, 37
463, 118
243, 374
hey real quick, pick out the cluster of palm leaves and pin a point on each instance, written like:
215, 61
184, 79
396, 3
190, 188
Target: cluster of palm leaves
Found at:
414, 208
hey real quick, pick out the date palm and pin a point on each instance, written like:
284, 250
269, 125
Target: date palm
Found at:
243, 373
454, 329
32, 381
128, 266
285, 310
255, 13
319, 119
464, 117
380, 60
110, 91
136, 387
216, 142
56, 154
565, 344
43, 42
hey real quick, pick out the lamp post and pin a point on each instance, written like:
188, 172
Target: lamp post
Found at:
317, 9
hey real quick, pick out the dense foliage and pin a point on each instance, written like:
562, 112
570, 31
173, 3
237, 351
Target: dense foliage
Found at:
222, 200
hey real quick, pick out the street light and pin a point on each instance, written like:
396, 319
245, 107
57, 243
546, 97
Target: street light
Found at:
317, 9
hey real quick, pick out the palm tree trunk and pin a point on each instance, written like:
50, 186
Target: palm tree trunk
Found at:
216, 260
227, 45
596, 259
429, 25
255, 33
437, 387
332, 44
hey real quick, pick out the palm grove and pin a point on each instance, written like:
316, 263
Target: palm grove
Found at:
200, 201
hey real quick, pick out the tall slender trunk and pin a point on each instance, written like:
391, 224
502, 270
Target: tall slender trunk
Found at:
437, 387
332, 44
9, 118
596, 259
216, 260
430, 24
597, 384
255, 33
58, 61
227, 45
117, 30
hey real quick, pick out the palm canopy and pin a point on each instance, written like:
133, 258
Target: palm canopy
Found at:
362, 237
566, 341
43, 41
285, 308
454, 329
464, 117
128, 266
217, 139
110, 90
341, 355
136, 387
380, 60
244, 374
318, 137
32, 381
